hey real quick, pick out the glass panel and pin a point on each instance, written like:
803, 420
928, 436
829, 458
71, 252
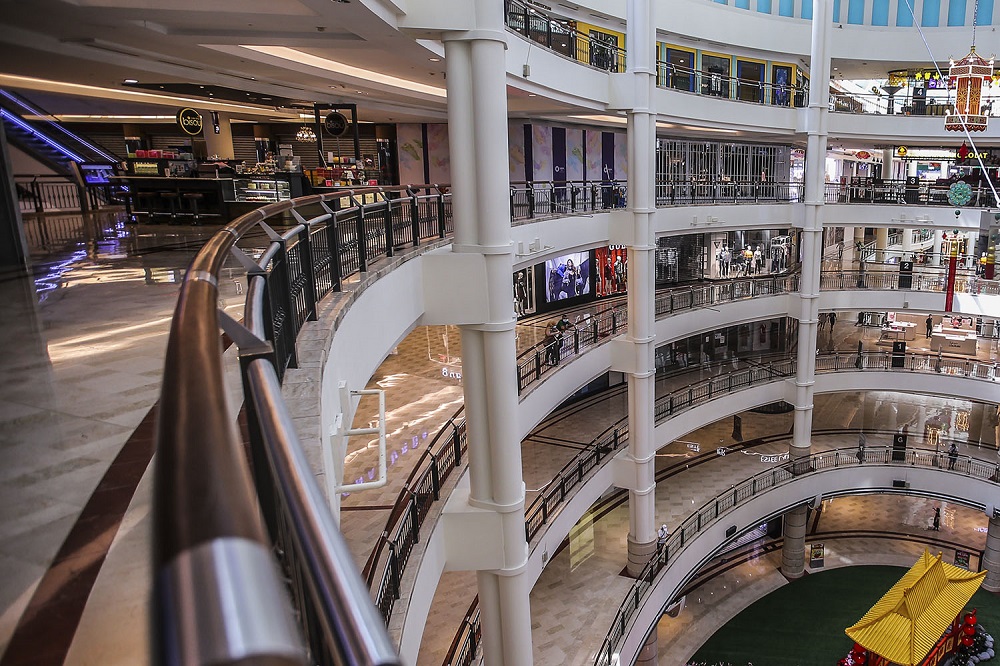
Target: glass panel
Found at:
856, 12
880, 12
956, 12
836, 11
985, 13
807, 9
931, 15
764, 6
742, 4
904, 17
751, 78
715, 76
680, 70
786, 7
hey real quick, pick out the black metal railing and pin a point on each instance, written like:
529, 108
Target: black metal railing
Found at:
539, 360
41, 194
723, 190
899, 192
927, 279
597, 49
745, 491
530, 200
208, 501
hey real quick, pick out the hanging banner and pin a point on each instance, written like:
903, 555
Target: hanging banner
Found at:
816, 555
949, 297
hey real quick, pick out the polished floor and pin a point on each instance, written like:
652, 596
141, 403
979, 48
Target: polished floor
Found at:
85, 335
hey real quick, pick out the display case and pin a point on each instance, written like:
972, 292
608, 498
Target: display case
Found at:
261, 189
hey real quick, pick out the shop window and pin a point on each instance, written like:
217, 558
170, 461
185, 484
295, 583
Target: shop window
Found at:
715, 75
678, 70
781, 85
750, 85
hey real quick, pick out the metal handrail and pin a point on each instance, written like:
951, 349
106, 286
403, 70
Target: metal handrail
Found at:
700, 520
534, 199
207, 512
561, 37
686, 79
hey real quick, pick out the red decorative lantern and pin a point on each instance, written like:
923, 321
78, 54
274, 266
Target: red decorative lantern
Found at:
969, 630
968, 76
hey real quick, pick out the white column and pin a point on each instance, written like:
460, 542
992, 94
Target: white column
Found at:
477, 127
936, 247
907, 244
641, 39
881, 243
812, 255
887, 170
991, 556
911, 168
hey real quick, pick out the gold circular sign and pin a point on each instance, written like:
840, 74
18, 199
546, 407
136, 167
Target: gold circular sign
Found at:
189, 121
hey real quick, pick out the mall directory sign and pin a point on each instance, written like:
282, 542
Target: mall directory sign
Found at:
189, 121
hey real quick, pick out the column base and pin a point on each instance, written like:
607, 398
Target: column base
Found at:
793, 552
639, 554
649, 653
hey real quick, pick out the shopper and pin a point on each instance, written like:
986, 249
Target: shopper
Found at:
937, 519
929, 323
832, 318
952, 455
858, 360
552, 342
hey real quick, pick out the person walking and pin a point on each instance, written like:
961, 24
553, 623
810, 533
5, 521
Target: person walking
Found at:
552, 342
937, 519
832, 318
929, 323
952, 455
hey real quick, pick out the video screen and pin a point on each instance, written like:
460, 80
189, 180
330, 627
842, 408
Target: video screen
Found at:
567, 276
612, 270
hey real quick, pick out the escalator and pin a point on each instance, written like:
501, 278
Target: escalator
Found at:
37, 133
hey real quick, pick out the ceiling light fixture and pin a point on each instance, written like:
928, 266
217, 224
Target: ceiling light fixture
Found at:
130, 81
327, 65
305, 134
435, 59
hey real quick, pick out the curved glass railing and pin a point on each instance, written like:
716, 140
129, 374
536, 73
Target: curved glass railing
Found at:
752, 488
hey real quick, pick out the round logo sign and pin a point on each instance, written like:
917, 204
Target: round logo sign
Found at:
335, 123
189, 121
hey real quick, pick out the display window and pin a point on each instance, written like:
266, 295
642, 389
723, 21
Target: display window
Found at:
677, 69
750, 76
782, 84
716, 71
612, 270
524, 292
567, 276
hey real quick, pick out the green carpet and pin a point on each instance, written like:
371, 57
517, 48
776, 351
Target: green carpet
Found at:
802, 623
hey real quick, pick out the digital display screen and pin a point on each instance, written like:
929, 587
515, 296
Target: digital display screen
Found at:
567, 276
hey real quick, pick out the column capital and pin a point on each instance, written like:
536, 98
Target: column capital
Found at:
483, 35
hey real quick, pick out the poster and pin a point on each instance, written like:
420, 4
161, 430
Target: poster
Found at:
962, 558
816, 553
612, 270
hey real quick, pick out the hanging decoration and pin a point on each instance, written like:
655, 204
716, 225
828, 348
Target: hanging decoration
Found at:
305, 134
968, 76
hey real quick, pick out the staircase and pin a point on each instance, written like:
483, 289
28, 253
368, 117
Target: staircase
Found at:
47, 140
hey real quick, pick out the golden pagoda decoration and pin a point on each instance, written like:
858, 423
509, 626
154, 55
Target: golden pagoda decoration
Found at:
968, 76
918, 622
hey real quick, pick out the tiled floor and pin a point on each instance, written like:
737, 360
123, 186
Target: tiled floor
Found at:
85, 336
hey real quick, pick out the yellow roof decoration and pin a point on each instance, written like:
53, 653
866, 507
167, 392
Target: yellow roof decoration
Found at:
908, 620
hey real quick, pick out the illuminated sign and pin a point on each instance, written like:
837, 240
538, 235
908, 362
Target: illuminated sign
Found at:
336, 123
189, 121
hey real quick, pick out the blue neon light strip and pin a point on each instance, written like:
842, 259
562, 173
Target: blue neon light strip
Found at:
28, 128
39, 112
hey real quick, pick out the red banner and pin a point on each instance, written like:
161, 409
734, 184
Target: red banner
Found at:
949, 296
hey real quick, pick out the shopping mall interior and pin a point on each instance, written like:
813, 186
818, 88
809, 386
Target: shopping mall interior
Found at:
441, 332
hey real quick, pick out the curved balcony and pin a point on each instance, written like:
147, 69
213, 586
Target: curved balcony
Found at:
770, 493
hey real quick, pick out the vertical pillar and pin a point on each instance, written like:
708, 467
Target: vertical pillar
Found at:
991, 555
641, 38
477, 128
793, 563
911, 168
13, 246
907, 244
936, 247
881, 243
220, 144
887, 166
649, 653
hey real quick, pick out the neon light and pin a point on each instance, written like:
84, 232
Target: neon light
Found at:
28, 128
86, 143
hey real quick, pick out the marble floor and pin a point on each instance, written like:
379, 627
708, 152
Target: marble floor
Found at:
85, 336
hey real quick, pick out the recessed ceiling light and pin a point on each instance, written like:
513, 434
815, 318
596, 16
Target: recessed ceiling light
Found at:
131, 81
435, 59
532, 95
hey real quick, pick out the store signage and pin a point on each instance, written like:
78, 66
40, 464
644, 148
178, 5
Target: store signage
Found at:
336, 123
902, 151
189, 121
863, 155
